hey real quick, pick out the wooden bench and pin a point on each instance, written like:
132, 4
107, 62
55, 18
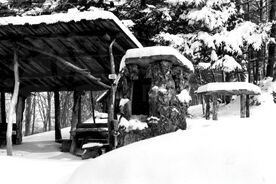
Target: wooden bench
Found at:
91, 132
92, 150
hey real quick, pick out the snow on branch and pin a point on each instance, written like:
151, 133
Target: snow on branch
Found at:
227, 64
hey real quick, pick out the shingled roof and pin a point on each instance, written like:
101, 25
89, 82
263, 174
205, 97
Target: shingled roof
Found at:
80, 39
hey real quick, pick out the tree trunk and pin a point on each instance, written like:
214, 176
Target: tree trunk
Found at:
28, 115
271, 47
34, 114
57, 117
49, 111
12, 104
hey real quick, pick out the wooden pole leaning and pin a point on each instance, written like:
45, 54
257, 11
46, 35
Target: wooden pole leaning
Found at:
13, 104
111, 137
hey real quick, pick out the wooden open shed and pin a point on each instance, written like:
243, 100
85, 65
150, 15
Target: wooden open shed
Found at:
74, 51
215, 89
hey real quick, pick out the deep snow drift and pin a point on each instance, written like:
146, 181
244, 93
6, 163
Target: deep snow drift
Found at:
230, 150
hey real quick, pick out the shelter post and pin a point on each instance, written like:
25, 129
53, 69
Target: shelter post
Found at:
111, 138
207, 114
201, 96
58, 136
19, 118
215, 107
243, 106
75, 118
13, 104
3, 108
247, 107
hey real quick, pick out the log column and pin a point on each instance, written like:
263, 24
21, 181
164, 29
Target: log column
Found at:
58, 136
75, 118
243, 106
19, 118
13, 104
207, 114
215, 107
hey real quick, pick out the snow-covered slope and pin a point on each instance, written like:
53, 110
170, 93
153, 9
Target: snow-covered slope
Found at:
231, 150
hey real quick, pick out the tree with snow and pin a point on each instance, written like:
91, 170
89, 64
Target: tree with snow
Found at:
214, 35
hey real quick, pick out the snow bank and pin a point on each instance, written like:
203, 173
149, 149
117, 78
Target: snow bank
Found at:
30, 171
227, 152
132, 124
147, 52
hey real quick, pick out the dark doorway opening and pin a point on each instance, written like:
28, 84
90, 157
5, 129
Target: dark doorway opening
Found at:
140, 101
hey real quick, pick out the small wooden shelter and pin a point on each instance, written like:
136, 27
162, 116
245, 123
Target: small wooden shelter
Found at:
74, 51
228, 88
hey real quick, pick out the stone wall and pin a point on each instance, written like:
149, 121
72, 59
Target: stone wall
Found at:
166, 112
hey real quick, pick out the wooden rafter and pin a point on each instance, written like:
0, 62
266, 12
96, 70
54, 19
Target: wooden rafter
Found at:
76, 69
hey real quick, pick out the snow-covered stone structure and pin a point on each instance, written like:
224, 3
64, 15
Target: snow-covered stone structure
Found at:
155, 79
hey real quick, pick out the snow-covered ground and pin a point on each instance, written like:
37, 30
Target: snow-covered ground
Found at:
230, 150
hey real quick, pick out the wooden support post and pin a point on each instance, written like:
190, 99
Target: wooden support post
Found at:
3, 108
207, 114
19, 119
74, 122
243, 108
203, 104
58, 136
215, 107
12, 104
131, 96
111, 114
247, 107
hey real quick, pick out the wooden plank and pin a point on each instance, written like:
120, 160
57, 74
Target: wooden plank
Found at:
58, 136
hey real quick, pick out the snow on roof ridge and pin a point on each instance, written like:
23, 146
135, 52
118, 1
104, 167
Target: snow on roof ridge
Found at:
158, 50
216, 86
67, 17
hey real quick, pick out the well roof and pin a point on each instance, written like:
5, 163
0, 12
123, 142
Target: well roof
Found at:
229, 88
80, 38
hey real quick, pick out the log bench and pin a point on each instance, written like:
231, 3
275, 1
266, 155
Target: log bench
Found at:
93, 149
90, 133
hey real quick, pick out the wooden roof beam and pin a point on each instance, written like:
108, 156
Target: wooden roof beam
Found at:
67, 64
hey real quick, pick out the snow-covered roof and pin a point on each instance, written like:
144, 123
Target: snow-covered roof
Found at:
146, 55
81, 39
235, 88
73, 15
